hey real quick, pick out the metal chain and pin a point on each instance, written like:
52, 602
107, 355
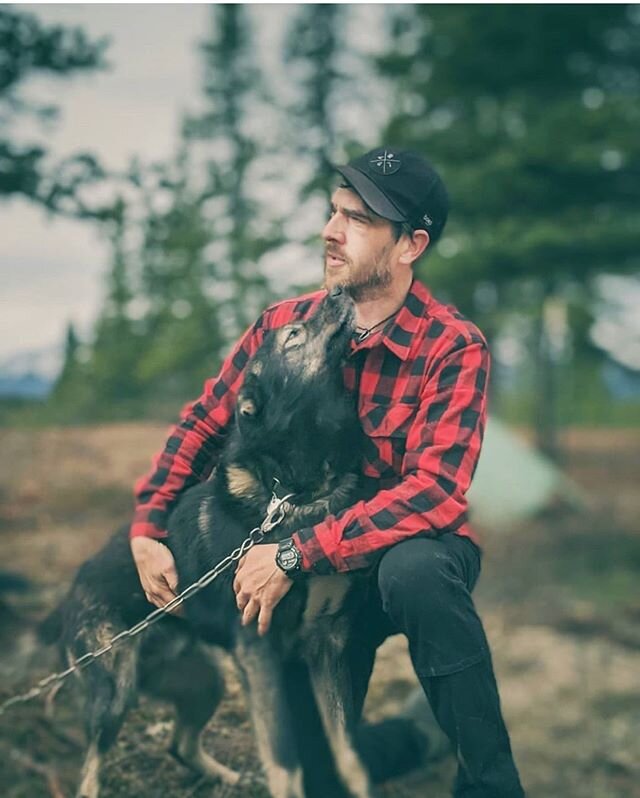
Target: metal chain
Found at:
275, 514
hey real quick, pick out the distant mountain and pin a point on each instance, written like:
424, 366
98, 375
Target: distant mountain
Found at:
30, 374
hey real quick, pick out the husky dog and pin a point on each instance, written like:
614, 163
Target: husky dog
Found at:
295, 426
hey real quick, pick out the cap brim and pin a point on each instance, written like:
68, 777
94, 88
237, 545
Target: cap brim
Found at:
371, 194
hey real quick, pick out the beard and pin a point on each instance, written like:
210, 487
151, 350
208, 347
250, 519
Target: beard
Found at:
365, 280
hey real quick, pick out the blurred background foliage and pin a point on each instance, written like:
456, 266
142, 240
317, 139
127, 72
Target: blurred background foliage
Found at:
531, 113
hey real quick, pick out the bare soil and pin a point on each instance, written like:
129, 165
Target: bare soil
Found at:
558, 596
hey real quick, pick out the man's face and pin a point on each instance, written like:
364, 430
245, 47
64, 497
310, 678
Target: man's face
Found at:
359, 248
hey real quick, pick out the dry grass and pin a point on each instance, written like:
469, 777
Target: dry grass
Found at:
558, 597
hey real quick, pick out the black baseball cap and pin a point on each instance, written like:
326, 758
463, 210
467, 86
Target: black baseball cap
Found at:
400, 185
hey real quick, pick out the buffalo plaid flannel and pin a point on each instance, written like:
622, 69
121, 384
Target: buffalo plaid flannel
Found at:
422, 387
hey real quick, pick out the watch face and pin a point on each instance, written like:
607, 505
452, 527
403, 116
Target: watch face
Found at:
288, 559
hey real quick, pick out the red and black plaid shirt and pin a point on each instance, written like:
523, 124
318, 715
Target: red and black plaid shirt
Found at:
422, 388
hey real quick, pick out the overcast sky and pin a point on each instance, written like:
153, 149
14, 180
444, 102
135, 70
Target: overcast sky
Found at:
52, 270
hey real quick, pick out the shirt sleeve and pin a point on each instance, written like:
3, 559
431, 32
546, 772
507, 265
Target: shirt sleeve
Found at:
442, 450
194, 444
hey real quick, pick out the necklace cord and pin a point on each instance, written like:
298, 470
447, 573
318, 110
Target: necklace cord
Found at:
364, 332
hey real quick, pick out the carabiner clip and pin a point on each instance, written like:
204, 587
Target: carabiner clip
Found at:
276, 512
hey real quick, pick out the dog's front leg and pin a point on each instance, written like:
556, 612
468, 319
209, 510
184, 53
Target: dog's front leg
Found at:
332, 689
312, 513
261, 673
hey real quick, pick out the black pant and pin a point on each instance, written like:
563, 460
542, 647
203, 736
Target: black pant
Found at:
424, 591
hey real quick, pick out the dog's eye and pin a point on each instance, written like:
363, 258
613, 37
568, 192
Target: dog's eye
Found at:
293, 333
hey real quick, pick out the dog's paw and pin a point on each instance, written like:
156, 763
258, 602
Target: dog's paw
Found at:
206, 765
210, 767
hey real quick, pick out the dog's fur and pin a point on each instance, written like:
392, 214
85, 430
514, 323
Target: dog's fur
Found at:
296, 423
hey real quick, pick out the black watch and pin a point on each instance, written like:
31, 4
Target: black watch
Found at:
289, 559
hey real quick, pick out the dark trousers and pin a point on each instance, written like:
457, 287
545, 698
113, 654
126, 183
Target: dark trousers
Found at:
424, 591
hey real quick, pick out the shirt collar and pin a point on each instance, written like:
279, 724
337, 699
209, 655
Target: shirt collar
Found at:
398, 337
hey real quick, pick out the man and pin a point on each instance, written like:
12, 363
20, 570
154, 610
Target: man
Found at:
420, 372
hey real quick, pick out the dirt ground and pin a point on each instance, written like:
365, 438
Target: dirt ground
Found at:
558, 596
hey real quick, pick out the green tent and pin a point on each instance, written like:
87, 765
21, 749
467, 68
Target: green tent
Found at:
513, 481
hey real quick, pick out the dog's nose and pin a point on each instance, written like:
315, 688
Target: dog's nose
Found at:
337, 291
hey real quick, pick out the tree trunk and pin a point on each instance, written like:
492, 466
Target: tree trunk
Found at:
545, 411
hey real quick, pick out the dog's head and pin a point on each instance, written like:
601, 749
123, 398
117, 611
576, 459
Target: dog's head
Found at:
309, 350
293, 407
298, 359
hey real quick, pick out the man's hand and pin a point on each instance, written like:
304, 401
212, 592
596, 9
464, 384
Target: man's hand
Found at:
157, 571
259, 585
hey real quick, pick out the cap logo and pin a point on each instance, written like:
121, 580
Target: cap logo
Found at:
427, 220
385, 163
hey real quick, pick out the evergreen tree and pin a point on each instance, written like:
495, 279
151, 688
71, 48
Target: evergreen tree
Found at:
116, 347
311, 52
29, 49
71, 375
188, 283
72, 393
183, 342
532, 113
220, 153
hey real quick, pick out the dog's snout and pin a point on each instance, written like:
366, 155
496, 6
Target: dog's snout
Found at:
337, 291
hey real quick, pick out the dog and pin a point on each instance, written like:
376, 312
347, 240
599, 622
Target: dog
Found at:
295, 425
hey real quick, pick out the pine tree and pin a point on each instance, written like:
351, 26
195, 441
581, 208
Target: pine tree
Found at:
312, 47
531, 113
220, 154
30, 49
72, 399
113, 367
183, 341
194, 276
71, 367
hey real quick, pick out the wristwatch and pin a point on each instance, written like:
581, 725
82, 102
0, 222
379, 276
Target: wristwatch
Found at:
289, 559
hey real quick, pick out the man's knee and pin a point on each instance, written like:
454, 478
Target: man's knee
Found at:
416, 572
425, 586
